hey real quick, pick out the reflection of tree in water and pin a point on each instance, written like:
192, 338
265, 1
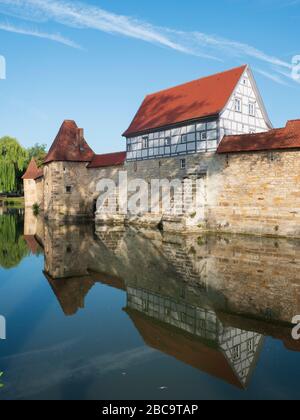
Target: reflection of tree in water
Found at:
13, 247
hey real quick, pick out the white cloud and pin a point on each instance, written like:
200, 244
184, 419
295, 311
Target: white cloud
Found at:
52, 37
82, 16
272, 76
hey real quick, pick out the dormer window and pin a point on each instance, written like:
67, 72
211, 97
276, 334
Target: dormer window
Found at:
238, 105
145, 142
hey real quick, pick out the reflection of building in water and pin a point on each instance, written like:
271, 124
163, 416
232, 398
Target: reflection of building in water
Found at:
248, 276
206, 301
235, 349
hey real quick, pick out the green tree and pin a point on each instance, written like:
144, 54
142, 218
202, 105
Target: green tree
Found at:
38, 152
13, 247
13, 160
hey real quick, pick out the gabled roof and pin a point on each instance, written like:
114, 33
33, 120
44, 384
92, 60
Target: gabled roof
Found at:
184, 347
33, 172
194, 100
280, 138
69, 145
110, 159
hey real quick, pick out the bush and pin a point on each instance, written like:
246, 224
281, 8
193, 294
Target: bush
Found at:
36, 209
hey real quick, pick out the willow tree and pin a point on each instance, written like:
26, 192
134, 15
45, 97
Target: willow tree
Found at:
13, 159
13, 247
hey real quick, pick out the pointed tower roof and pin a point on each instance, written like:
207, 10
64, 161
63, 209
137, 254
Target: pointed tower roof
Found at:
69, 145
33, 172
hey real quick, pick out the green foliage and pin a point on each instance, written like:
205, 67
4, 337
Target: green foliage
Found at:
13, 160
36, 209
38, 152
13, 247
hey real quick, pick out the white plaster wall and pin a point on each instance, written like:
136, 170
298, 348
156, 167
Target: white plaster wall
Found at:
233, 122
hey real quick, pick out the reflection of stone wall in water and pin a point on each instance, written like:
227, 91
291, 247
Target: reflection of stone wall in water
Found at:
250, 276
189, 297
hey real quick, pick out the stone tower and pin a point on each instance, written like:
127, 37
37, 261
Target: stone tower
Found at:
33, 185
66, 175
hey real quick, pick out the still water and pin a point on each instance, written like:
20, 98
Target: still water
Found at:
113, 313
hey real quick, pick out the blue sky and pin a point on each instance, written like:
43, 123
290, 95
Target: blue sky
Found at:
95, 60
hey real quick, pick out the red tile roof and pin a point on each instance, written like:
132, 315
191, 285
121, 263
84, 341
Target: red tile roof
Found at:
33, 172
69, 145
281, 138
198, 99
110, 159
32, 244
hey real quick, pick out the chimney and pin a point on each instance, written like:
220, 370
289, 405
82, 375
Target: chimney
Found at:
80, 134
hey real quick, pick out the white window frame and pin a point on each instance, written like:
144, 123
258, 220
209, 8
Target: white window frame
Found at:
250, 346
145, 141
184, 136
203, 136
252, 109
168, 141
238, 104
236, 353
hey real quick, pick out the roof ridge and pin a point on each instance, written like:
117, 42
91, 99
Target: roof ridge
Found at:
196, 80
69, 145
199, 98
110, 153
287, 137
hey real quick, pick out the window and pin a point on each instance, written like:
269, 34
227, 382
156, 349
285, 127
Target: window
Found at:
68, 189
168, 141
182, 164
203, 136
129, 147
184, 138
250, 346
236, 353
145, 142
252, 109
238, 105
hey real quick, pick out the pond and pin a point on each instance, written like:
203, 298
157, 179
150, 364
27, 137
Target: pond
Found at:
115, 313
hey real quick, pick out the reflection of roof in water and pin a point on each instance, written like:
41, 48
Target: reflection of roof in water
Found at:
268, 329
71, 292
32, 243
184, 347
